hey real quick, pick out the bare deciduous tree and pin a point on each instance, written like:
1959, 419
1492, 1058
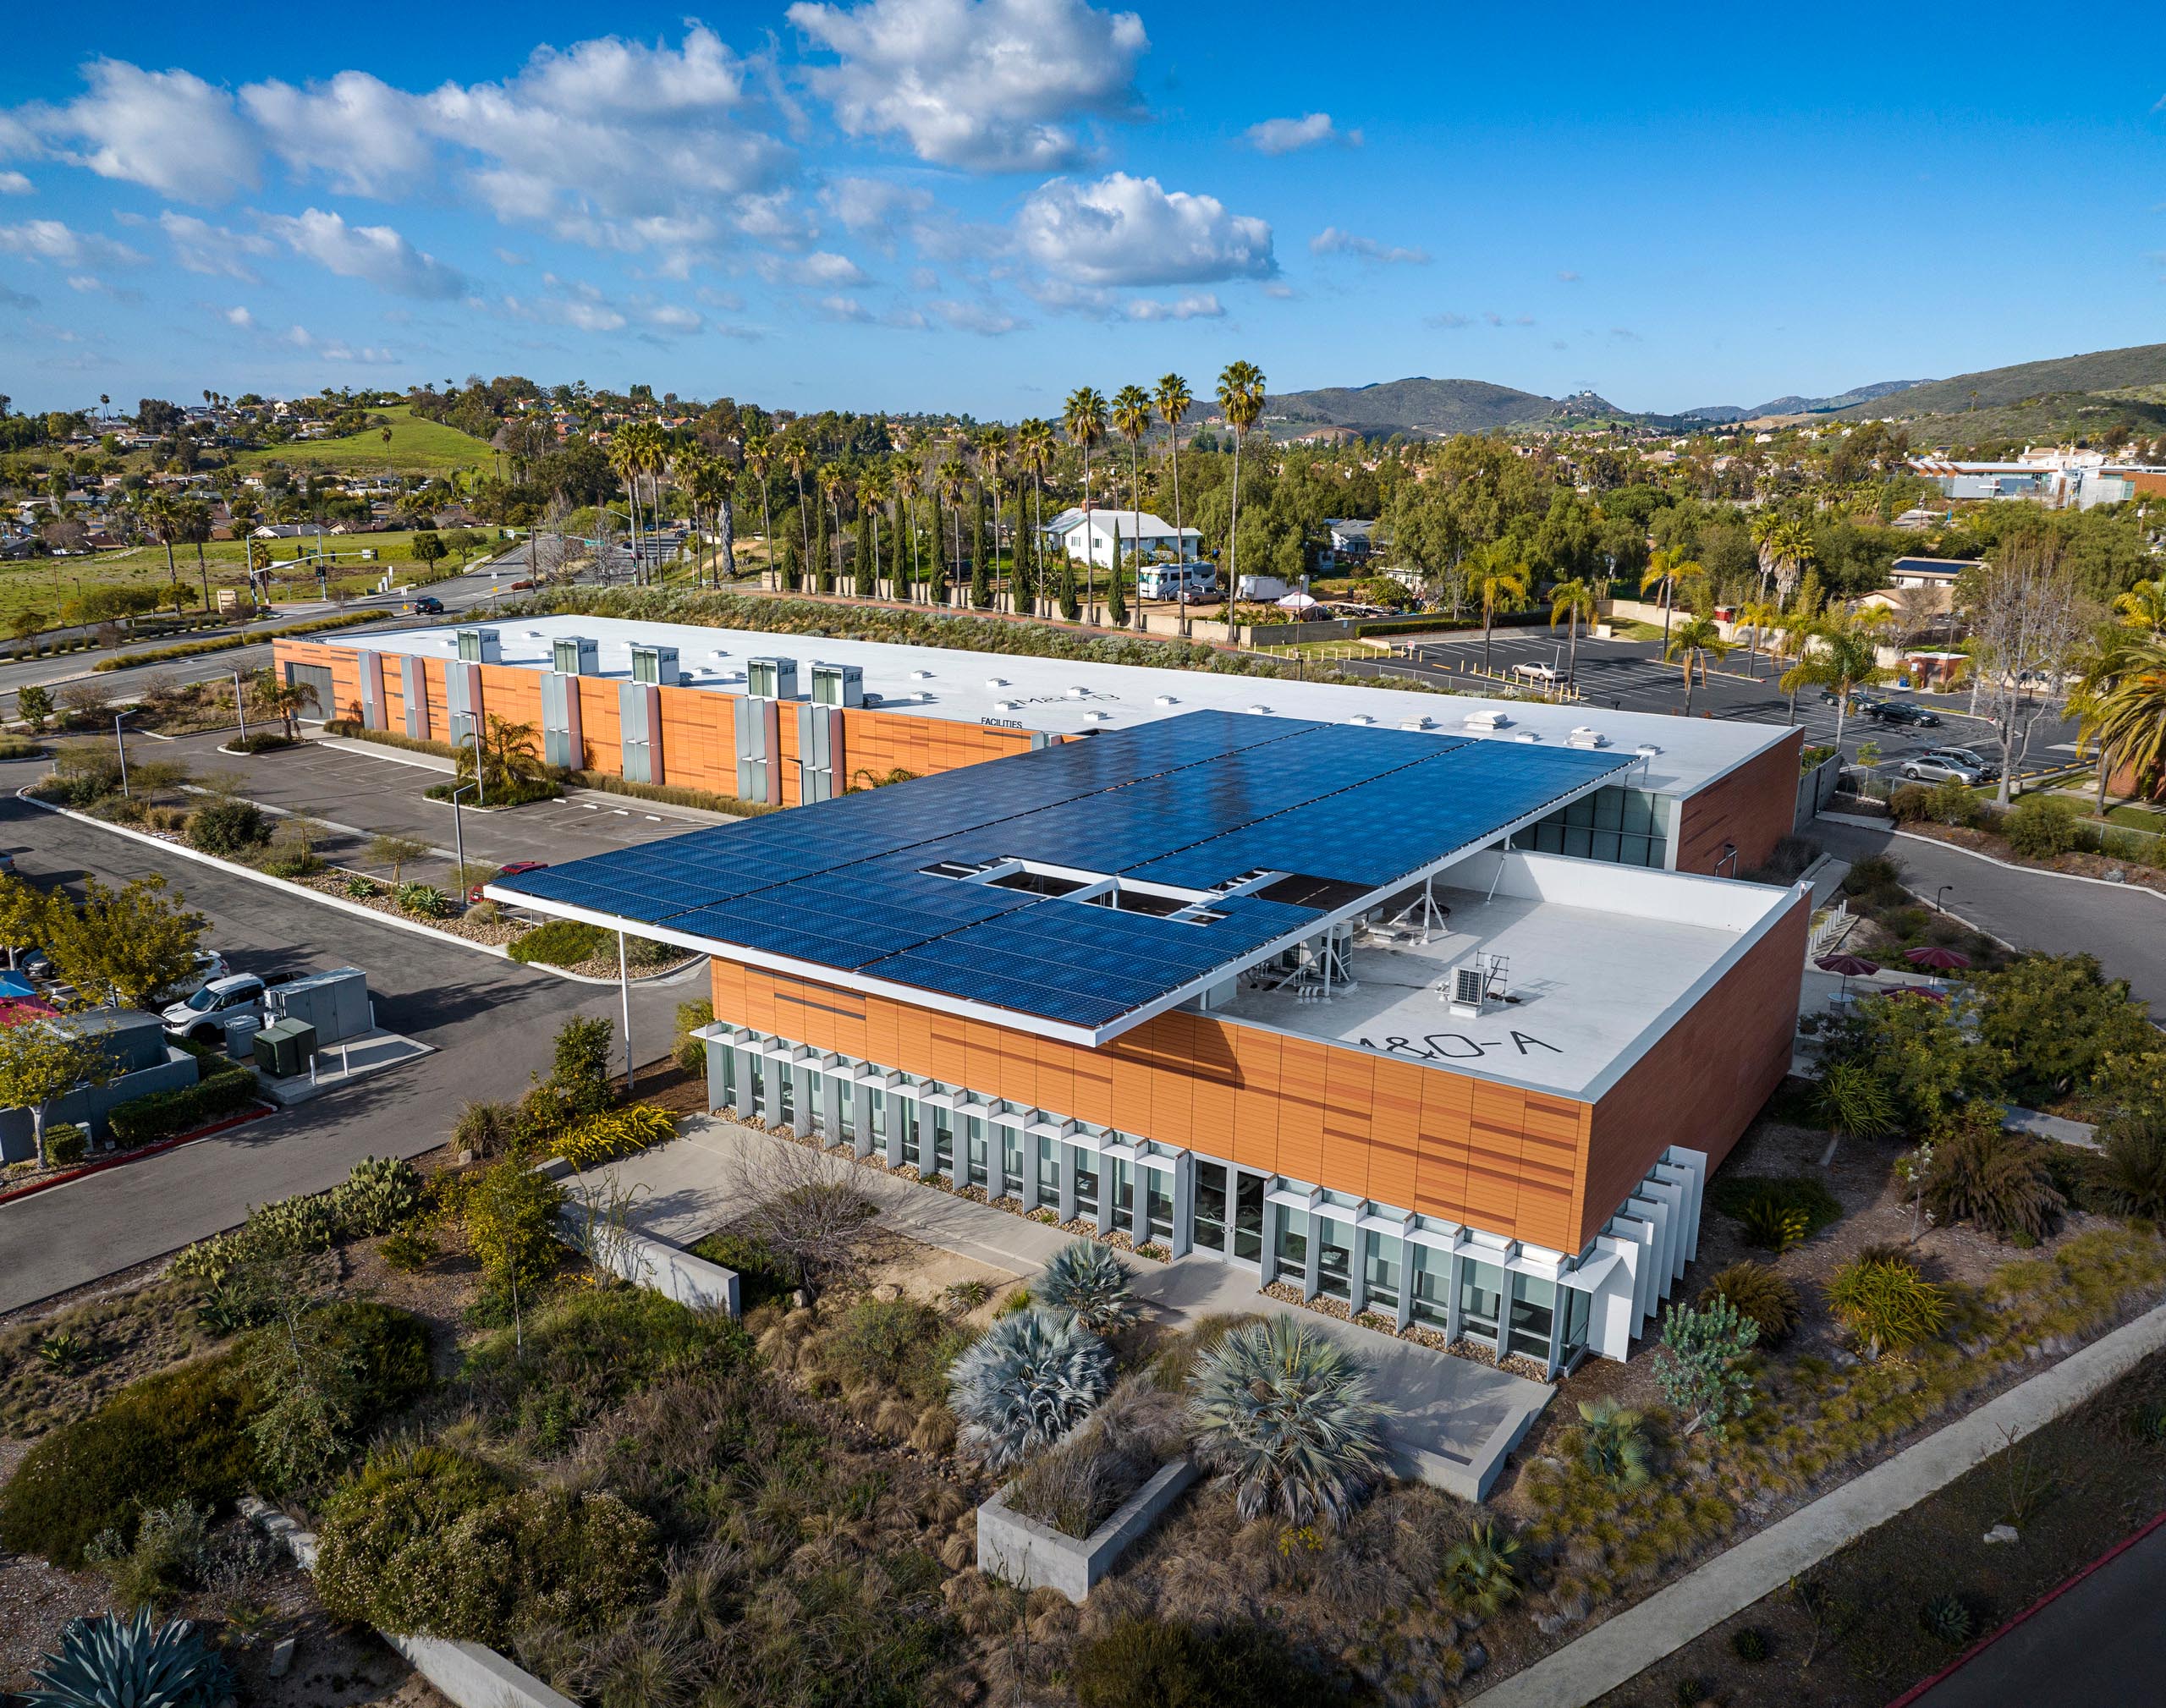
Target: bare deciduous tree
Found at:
807, 1210
2029, 622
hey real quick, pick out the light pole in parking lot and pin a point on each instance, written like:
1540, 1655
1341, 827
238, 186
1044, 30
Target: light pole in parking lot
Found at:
120, 742
241, 707
459, 836
1937, 895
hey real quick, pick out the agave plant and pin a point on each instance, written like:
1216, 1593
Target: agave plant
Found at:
1285, 1416
1090, 1283
1481, 1572
1032, 1378
107, 1662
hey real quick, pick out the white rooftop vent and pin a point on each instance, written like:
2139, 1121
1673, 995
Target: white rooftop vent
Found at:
1361, 717
718, 653
921, 676
1007, 705
1078, 693
1265, 710
1526, 735
1646, 750
996, 682
1581, 736
1165, 699
1413, 723
1099, 716
534, 635
1488, 718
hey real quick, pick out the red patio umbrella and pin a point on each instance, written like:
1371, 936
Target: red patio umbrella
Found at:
1850, 966
1933, 956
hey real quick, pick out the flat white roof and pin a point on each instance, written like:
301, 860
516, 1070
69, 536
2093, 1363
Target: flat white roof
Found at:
1602, 960
1065, 697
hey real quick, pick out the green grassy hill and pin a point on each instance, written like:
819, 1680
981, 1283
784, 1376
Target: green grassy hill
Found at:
2102, 370
416, 447
1414, 405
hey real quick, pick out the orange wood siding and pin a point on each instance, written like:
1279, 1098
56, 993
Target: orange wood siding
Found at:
1702, 1084
1403, 1132
1754, 807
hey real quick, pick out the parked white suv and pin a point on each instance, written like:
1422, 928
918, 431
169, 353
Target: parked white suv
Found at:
203, 1016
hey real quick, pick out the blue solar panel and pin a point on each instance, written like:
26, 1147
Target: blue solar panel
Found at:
1189, 803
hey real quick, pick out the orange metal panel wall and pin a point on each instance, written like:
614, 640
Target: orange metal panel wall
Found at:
1403, 1132
1754, 807
1703, 1083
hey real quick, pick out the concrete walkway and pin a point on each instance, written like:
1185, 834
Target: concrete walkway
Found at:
1618, 1651
1456, 1419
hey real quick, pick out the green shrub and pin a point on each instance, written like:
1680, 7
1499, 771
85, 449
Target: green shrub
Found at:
141, 1120
1142, 1663
378, 1195
2055, 1021
1950, 802
1948, 1619
229, 827
66, 1143
361, 888
2000, 1180
179, 1436
2127, 1175
1758, 1294
879, 1339
424, 902
560, 943
2041, 826
597, 1139
379, 1559
1910, 803
761, 1274
502, 794
407, 1250
1750, 1646
692, 1053
1776, 1211
168, 1556
260, 741
1887, 1307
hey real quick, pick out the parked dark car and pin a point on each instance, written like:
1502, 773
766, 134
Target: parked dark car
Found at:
1902, 711
427, 605
473, 894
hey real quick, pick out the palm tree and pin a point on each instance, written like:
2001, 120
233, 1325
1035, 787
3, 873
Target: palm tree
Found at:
759, 458
871, 494
2143, 606
948, 481
1240, 401
1761, 615
1287, 1417
1665, 569
711, 484
833, 483
797, 458
1131, 416
2119, 702
195, 520
162, 516
1175, 399
1034, 451
1030, 1379
993, 453
1840, 654
1502, 580
1795, 551
1084, 420
909, 481
627, 456
1694, 640
1574, 601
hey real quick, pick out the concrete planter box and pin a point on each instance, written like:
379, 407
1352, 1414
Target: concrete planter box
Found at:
1023, 1552
647, 1260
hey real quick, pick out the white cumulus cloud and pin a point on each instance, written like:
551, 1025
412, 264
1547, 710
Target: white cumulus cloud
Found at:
1201, 305
169, 131
989, 85
15, 184
61, 244
366, 137
1132, 231
376, 253
200, 247
1286, 135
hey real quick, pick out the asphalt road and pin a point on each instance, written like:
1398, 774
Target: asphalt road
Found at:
2092, 1643
1632, 674
491, 1023
2124, 926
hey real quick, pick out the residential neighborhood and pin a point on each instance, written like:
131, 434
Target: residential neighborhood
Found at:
906, 854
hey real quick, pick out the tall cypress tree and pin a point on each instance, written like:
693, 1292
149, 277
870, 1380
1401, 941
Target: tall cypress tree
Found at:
1116, 602
863, 587
1071, 609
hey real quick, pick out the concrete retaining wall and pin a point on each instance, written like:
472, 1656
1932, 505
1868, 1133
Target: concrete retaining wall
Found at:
645, 1261
1815, 790
1023, 1552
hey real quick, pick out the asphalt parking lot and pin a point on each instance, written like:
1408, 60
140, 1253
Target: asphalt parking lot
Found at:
491, 1022
1632, 676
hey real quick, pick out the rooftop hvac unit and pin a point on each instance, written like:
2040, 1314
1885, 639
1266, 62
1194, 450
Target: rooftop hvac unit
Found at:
655, 666
480, 646
1466, 991
576, 655
771, 679
1583, 737
1484, 720
837, 684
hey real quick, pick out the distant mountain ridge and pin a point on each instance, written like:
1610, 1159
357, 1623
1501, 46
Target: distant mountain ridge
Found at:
2098, 371
1794, 405
1436, 407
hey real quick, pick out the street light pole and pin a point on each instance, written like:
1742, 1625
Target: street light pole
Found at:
459, 836
240, 705
1937, 895
624, 990
120, 742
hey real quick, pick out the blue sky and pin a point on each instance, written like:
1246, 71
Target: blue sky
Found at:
976, 205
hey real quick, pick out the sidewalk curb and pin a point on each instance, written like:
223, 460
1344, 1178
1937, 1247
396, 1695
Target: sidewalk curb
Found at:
1973, 854
1622, 1647
496, 950
142, 1155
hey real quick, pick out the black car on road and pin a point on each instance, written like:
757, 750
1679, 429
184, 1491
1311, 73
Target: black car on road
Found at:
428, 605
1902, 711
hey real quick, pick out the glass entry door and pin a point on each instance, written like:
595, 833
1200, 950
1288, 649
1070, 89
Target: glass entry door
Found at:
1248, 1217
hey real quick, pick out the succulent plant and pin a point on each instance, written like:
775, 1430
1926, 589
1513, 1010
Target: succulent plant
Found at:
1948, 1619
381, 1193
1030, 1380
108, 1662
1090, 1281
1285, 1416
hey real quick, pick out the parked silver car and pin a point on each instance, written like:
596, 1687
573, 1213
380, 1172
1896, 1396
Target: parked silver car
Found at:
1939, 767
1987, 771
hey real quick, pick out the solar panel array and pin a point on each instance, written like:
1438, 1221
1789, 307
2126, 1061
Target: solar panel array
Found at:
1189, 802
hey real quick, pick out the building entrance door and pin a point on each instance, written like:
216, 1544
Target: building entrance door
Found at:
1227, 1220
